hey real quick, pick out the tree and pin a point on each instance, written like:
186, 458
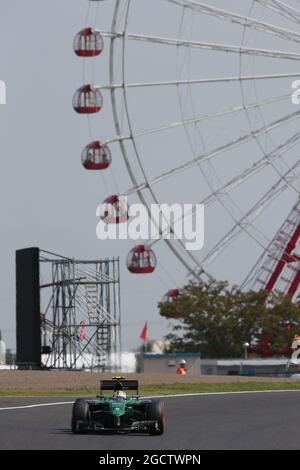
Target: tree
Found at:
279, 324
217, 320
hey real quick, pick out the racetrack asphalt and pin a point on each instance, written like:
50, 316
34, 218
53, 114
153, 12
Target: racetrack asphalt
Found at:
224, 421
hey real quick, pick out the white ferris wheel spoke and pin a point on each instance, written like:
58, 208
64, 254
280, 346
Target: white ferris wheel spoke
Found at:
282, 9
244, 176
205, 118
249, 278
274, 54
220, 150
272, 194
224, 198
245, 21
200, 81
247, 220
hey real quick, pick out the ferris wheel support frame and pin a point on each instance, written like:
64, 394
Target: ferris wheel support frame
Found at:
285, 179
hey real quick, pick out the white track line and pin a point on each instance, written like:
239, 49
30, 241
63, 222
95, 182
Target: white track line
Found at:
205, 394
37, 405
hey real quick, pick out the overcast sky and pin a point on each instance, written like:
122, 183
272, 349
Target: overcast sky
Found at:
49, 200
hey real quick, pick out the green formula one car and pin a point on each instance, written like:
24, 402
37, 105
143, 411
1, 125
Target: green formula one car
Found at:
118, 412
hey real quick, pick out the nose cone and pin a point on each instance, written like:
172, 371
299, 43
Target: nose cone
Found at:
117, 408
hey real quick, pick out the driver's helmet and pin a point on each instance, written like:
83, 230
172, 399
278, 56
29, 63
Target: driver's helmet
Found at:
119, 395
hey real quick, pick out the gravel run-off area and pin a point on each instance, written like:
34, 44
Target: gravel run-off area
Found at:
56, 380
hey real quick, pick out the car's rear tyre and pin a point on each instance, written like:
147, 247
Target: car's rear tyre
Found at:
156, 412
80, 416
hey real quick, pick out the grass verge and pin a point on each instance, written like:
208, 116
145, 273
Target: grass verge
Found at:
165, 389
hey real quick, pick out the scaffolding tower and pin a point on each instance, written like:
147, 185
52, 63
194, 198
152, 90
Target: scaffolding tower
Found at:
80, 313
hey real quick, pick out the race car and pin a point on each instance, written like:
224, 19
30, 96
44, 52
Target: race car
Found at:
118, 412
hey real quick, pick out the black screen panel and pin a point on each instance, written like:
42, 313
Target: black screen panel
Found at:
28, 309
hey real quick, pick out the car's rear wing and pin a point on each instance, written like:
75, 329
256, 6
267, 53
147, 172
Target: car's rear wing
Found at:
119, 383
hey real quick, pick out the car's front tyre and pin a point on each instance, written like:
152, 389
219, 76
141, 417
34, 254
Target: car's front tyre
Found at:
156, 412
80, 416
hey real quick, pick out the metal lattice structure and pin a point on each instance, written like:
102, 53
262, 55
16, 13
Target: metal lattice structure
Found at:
80, 304
280, 268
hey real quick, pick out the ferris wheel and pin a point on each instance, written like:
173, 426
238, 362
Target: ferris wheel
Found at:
199, 95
